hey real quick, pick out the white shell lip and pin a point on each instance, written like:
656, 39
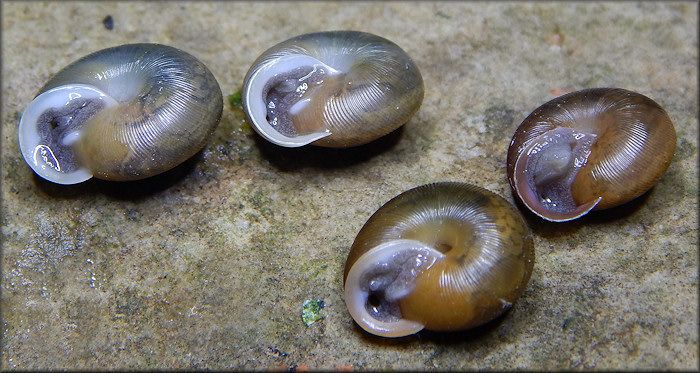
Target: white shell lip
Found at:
40, 157
355, 298
256, 107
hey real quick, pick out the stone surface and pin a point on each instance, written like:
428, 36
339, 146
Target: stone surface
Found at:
208, 265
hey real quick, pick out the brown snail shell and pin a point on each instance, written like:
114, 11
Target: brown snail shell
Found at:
443, 256
121, 113
332, 89
589, 150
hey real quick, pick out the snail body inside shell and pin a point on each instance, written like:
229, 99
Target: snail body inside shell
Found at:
591, 149
443, 256
122, 113
333, 89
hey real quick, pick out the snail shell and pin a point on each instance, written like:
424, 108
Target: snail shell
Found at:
332, 89
443, 256
121, 113
589, 150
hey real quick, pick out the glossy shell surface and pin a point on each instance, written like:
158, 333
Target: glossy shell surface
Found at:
121, 113
591, 149
443, 256
331, 89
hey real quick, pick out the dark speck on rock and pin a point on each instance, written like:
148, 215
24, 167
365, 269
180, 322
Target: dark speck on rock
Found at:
108, 22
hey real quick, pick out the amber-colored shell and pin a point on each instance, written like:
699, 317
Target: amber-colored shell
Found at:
443, 256
121, 113
589, 150
333, 89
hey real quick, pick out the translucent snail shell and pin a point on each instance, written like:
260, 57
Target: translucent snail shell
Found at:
589, 150
443, 256
121, 113
331, 89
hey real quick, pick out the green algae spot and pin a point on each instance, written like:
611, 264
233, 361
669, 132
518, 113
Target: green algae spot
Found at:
311, 311
685, 149
442, 15
235, 99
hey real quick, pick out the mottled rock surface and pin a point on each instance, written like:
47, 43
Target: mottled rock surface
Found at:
209, 265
